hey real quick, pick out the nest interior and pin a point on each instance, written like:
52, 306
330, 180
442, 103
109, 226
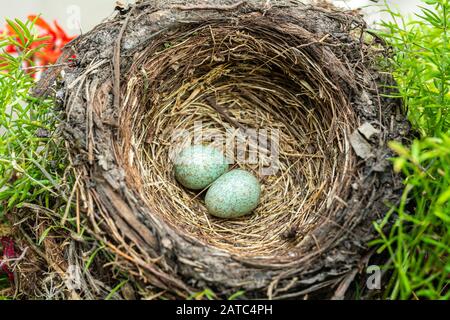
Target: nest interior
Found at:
302, 72
225, 81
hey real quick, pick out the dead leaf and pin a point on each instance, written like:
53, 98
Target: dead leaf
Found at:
362, 148
367, 130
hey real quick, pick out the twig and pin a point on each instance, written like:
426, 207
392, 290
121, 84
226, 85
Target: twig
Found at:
344, 285
15, 260
222, 112
116, 60
69, 201
40, 253
210, 7
48, 66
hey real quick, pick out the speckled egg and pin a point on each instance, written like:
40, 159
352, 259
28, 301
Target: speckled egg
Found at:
196, 167
235, 194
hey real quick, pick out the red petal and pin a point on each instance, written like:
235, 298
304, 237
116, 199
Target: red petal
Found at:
48, 56
62, 34
42, 24
8, 247
10, 30
11, 49
8, 253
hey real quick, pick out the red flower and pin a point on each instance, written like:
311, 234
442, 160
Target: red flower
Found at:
8, 253
56, 39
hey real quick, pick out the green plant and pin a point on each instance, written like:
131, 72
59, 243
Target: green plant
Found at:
421, 62
4, 284
35, 171
31, 165
419, 241
207, 294
418, 244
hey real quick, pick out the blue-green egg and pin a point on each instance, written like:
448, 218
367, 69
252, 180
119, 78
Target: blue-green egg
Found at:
235, 194
196, 167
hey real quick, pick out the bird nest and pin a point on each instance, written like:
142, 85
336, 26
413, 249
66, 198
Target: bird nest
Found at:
287, 91
259, 100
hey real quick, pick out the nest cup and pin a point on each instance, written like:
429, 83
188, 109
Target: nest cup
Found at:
282, 91
252, 92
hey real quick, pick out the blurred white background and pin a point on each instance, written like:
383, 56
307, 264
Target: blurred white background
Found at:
73, 15
373, 9
76, 15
